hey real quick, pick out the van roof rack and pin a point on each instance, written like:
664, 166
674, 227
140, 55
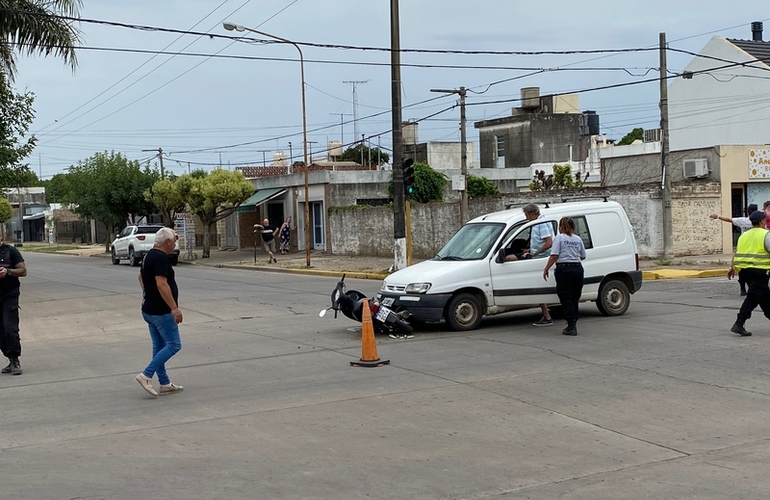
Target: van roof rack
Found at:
604, 197
508, 206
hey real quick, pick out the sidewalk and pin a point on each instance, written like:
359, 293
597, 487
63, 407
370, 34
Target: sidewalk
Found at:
323, 264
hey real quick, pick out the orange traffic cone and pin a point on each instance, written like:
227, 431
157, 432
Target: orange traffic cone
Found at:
369, 358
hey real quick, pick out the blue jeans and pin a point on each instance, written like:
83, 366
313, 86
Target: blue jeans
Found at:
164, 333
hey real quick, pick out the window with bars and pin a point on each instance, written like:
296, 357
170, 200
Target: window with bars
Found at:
500, 151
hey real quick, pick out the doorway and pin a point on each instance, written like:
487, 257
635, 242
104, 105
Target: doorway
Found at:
317, 219
738, 207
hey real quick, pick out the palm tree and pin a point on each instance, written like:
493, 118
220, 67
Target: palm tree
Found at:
37, 27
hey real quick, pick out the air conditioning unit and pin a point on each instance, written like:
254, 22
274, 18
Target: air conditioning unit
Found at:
696, 169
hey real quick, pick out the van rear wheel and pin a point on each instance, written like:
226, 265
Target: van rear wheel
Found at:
614, 298
463, 312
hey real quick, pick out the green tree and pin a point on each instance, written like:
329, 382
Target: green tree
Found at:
16, 115
479, 187
37, 27
165, 195
428, 184
354, 154
561, 178
6, 212
109, 188
629, 138
214, 197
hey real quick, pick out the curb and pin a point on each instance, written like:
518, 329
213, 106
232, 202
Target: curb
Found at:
652, 274
666, 274
311, 272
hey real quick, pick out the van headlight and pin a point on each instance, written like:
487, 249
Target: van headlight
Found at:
417, 287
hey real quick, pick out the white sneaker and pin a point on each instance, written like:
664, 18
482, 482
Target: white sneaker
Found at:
170, 389
146, 384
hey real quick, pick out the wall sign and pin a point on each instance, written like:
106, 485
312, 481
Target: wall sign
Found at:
759, 163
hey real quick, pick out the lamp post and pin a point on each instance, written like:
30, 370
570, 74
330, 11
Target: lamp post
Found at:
291, 159
237, 27
463, 152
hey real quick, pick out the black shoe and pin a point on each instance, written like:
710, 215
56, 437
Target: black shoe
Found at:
739, 330
8, 368
571, 331
743, 293
15, 367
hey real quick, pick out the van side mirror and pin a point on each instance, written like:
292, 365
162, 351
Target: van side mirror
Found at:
500, 256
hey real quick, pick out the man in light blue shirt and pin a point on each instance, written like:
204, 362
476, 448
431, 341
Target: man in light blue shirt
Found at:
540, 241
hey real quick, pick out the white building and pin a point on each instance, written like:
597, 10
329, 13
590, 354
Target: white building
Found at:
723, 96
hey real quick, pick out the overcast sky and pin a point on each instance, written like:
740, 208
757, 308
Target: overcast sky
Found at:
129, 102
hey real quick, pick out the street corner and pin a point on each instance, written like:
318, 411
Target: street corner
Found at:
664, 274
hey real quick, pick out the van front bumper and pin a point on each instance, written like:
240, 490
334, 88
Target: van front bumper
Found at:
421, 307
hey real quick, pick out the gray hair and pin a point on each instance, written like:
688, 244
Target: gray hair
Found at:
531, 209
163, 235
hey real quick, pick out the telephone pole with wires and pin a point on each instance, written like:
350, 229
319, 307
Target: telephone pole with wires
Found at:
342, 125
160, 159
354, 83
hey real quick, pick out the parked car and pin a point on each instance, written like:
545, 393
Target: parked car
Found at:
135, 241
470, 278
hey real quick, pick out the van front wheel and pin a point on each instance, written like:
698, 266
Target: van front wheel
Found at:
614, 298
463, 312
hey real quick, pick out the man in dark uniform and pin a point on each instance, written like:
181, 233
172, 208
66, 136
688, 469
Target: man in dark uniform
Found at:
12, 267
752, 263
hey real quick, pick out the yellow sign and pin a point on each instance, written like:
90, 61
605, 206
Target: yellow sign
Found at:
759, 163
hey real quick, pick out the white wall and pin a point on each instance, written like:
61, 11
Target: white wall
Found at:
728, 106
447, 155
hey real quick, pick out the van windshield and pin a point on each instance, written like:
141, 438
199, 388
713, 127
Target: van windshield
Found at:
471, 242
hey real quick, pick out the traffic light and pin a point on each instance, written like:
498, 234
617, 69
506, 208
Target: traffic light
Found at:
408, 171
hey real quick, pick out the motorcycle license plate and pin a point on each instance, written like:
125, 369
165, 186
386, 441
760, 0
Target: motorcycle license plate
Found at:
382, 314
388, 301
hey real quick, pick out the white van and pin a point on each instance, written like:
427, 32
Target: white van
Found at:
470, 278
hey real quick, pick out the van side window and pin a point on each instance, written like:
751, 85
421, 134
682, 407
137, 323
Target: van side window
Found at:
527, 242
581, 229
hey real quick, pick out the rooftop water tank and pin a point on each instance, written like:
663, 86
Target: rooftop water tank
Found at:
530, 97
334, 149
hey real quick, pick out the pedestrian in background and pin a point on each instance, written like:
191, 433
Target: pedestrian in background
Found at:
269, 232
567, 252
752, 263
160, 310
744, 224
12, 267
285, 236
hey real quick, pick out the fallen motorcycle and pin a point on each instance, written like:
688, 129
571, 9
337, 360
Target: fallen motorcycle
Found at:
351, 303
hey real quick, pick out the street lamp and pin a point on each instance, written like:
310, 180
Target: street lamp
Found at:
237, 27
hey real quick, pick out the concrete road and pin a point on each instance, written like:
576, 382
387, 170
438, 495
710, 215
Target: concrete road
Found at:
662, 402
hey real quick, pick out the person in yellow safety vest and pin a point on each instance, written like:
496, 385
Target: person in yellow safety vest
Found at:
752, 262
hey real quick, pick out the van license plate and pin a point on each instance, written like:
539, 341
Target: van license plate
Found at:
388, 301
382, 314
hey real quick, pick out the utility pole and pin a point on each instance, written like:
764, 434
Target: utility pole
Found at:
399, 222
342, 126
310, 147
363, 138
160, 159
463, 153
354, 83
668, 230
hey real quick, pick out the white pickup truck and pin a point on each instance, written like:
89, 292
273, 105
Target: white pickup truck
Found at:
135, 241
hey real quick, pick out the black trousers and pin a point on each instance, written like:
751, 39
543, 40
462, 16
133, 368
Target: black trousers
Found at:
569, 287
757, 293
10, 343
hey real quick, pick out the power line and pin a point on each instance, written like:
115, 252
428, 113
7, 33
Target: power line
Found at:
141, 27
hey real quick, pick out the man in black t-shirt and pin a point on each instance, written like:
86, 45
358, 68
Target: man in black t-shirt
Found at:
160, 310
12, 267
269, 232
